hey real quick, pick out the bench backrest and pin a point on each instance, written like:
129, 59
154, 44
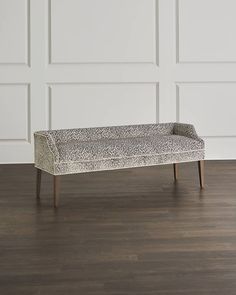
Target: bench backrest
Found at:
85, 134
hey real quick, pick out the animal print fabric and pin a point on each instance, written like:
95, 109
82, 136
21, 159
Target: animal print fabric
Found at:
107, 148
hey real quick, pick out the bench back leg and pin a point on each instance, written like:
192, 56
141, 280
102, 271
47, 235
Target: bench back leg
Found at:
38, 182
201, 172
56, 180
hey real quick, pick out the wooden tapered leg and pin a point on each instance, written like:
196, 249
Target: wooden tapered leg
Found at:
56, 190
175, 171
201, 172
38, 182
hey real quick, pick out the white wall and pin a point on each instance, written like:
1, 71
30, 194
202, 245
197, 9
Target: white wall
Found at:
79, 63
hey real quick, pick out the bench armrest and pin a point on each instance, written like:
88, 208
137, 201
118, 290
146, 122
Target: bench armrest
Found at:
187, 130
46, 152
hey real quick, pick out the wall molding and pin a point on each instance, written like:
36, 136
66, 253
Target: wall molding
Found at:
49, 95
177, 87
177, 44
27, 139
27, 61
155, 61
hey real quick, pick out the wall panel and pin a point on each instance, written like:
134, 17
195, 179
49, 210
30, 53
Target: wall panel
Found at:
206, 31
201, 104
14, 32
104, 31
72, 105
14, 113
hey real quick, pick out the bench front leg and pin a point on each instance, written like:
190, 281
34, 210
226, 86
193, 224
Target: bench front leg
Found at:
201, 173
56, 180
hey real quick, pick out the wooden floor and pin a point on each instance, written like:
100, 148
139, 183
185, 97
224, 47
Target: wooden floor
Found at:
121, 232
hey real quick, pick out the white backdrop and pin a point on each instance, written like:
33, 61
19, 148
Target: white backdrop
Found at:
80, 63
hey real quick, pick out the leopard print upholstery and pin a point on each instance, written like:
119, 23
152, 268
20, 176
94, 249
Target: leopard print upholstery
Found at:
107, 148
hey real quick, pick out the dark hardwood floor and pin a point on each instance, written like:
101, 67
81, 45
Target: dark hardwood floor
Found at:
121, 232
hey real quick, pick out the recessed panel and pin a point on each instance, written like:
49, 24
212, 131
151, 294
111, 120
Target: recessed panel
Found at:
220, 147
92, 105
209, 106
207, 30
14, 112
13, 31
104, 31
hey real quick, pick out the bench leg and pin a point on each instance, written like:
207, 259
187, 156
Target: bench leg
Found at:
56, 180
175, 171
38, 182
201, 173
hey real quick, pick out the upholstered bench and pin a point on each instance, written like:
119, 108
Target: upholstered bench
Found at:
61, 152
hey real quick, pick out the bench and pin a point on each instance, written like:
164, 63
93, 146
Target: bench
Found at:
71, 151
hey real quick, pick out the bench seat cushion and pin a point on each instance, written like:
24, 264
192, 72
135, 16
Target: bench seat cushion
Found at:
121, 153
105, 149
